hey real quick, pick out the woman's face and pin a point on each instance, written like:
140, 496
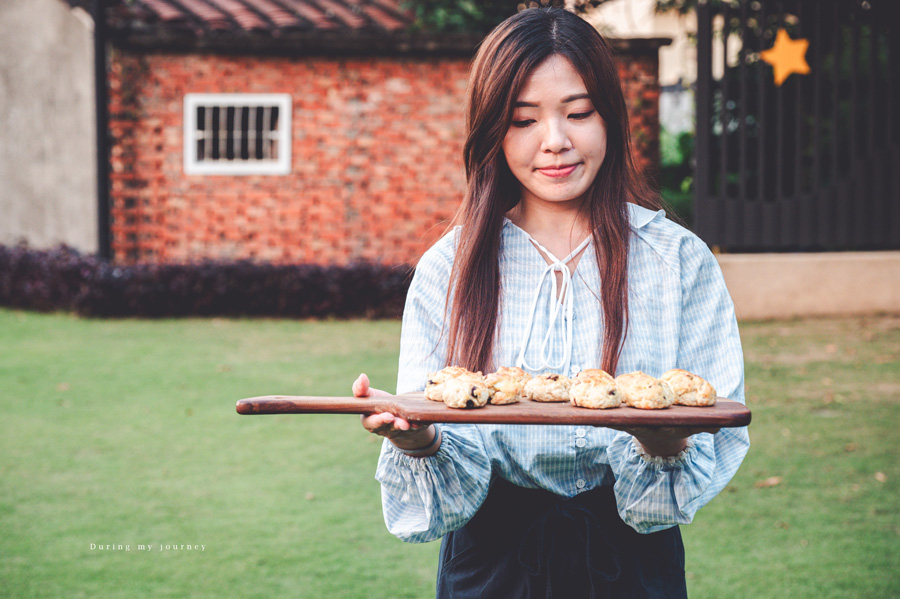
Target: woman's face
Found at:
557, 140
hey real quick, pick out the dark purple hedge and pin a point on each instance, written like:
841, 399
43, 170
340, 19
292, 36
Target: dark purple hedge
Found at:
64, 279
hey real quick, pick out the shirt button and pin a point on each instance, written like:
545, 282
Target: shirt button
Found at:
580, 442
580, 432
580, 483
575, 369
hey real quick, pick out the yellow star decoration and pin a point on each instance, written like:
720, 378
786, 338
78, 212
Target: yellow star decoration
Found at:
786, 56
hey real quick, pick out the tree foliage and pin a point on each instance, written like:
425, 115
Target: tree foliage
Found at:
682, 7
481, 15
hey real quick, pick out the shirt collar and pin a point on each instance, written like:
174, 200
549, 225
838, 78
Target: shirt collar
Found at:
638, 215
641, 216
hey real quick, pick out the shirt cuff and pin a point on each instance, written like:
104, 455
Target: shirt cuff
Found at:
675, 460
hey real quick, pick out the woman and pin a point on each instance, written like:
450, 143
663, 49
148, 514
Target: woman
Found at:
562, 511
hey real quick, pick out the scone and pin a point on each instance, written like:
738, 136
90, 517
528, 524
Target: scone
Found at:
466, 391
690, 389
504, 387
595, 392
548, 388
515, 372
590, 373
642, 391
434, 387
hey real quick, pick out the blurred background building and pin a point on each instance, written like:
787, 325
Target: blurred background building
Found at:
330, 131
311, 131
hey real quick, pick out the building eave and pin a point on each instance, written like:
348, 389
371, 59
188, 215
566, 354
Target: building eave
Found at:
294, 43
297, 42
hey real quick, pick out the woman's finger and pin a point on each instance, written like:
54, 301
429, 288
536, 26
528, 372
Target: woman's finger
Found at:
361, 386
375, 422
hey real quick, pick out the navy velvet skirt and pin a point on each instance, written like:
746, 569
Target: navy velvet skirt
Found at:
530, 543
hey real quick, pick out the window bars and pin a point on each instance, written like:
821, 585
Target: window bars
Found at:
237, 134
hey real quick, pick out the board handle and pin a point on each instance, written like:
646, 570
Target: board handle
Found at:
282, 404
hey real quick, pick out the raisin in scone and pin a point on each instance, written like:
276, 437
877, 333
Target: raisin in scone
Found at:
434, 387
466, 391
645, 392
595, 392
690, 389
548, 388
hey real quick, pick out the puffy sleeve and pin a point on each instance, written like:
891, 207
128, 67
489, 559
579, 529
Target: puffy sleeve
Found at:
654, 494
423, 498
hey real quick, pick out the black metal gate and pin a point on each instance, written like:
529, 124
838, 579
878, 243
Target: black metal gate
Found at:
812, 164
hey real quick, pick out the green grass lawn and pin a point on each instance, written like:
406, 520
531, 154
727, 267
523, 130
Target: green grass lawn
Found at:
124, 433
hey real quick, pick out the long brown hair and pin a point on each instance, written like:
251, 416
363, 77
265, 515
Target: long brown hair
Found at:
501, 67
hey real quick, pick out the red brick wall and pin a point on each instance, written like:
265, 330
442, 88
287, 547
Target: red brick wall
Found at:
376, 158
640, 83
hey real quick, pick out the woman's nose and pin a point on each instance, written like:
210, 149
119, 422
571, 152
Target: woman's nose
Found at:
556, 139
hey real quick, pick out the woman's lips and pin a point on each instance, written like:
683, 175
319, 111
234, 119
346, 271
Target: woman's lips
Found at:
558, 171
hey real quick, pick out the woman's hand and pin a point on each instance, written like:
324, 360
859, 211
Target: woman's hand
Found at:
664, 441
402, 433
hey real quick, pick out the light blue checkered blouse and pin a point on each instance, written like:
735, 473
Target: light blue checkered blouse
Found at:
681, 316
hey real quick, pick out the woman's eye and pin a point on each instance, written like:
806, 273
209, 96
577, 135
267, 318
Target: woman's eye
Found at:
581, 115
522, 124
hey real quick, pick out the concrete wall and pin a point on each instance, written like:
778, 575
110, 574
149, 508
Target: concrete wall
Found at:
48, 189
777, 286
637, 18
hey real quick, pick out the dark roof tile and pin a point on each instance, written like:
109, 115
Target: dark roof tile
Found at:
340, 11
383, 16
194, 10
310, 13
287, 27
165, 12
243, 15
277, 15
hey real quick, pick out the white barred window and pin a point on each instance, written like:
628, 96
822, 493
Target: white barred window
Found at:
237, 134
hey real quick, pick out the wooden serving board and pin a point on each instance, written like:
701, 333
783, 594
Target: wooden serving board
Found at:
414, 407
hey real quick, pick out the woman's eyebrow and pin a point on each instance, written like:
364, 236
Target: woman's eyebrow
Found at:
566, 100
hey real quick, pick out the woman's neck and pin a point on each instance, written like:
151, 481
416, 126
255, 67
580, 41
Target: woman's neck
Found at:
559, 228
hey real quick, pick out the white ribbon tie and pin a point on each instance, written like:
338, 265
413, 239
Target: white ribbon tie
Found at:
562, 302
